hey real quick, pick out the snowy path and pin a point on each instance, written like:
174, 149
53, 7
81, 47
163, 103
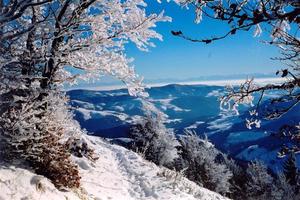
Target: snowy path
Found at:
118, 174
123, 175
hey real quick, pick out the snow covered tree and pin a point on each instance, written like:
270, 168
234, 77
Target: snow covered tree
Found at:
152, 139
290, 170
40, 41
238, 181
281, 19
283, 190
198, 159
259, 184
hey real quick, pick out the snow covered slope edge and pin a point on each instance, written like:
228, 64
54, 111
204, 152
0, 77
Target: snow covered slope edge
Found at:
118, 174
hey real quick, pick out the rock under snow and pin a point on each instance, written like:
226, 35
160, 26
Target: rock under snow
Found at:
118, 174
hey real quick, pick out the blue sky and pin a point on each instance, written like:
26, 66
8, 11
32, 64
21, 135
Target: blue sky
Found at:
177, 58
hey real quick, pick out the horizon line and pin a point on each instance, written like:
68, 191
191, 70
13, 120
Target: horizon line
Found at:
233, 82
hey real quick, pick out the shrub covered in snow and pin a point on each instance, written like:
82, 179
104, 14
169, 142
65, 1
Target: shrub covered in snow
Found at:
33, 130
238, 180
291, 171
261, 185
40, 41
259, 181
283, 190
79, 147
154, 141
199, 159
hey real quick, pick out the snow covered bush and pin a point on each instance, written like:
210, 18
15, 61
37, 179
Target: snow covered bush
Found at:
238, 181
152, 139
33, 130
80, 148
199, 159
291, 171
284, 190
259, 184
40, 42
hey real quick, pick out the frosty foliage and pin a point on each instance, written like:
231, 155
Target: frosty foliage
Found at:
291, 171
236, 97
279, 19
88, 35
33, 133
79, 147
258, 31
100, 46
259, 181
283, 190
198, 158
152, 139
238, 181
262, 186
256, 182
245, 14
41, 42
232, 101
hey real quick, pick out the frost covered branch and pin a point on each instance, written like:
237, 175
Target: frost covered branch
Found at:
41, 41
281, 20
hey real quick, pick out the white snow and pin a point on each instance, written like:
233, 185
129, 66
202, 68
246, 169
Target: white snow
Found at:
225, 122
84, 104
17, 183
94, 114
119, 174
85, 112
245, 136
88, 114
168, 121
214, 93
166, 105
195, 125
119, 108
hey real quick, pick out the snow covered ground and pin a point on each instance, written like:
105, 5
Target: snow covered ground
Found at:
118, 174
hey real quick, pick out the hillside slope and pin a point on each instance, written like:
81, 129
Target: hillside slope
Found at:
110, 114
118, 174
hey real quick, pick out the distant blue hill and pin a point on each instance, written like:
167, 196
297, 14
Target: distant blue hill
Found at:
195, 107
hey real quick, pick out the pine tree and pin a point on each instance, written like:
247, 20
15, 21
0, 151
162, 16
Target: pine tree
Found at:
152, 139
290, 169
199, 159
238, 181
282, 190
259, 182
